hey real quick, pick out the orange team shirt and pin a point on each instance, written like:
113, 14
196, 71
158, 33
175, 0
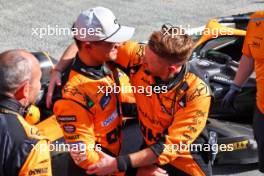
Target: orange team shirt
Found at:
254, 48
155, 123
89, 118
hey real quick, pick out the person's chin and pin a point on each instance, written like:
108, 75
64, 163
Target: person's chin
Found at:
112, 56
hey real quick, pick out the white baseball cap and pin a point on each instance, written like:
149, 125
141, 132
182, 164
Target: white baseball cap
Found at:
100, 24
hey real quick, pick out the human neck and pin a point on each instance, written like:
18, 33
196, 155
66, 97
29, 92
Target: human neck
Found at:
171, 75
23, 102
88, 60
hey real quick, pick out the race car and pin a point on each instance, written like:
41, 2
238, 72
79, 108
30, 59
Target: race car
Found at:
216, 58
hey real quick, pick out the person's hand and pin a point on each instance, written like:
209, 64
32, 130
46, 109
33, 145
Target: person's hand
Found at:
151, 171
78, 156
55, 79
228, 100
106, 165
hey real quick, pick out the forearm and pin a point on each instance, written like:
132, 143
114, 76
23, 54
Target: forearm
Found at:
142, 158
77, 127
246, 67
67, 56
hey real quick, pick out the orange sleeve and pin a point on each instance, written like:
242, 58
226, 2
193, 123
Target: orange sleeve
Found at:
130, 54
38, 161
78, 129
187, 125
250, 31
245, 49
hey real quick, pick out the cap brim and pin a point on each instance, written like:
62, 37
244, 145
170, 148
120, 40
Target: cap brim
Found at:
125, 33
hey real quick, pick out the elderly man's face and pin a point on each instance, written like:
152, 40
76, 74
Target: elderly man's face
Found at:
34, 83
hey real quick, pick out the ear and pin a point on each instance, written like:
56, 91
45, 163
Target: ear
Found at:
175, 68
23, 91
172, 68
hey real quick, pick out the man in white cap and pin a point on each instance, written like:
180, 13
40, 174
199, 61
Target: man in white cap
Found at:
91, 119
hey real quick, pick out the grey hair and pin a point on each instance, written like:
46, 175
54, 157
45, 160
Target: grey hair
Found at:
13, 72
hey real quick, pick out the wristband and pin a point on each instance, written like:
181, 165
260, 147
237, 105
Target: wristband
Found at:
157, 148
123, 163
235, 87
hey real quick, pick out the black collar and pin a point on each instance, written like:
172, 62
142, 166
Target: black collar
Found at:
11, 104
93, 72
173, 81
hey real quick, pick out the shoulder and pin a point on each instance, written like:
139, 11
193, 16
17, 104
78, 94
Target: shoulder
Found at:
129, 45
258, 14
198, 85
11, 126
15, 144
255, 19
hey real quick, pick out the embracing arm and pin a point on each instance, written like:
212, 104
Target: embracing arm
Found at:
185, 128
66, 58
55, 78
78, 129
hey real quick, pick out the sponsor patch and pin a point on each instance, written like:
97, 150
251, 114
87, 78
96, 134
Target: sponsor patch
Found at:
74, 137
110, 119
66, 118
240, 145
89, 101
69, 128
34, 132
105, 101
39, 171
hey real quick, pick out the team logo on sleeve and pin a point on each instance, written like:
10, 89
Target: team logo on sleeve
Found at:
66, 118
105, 101
69, 128
89, 101
110, 119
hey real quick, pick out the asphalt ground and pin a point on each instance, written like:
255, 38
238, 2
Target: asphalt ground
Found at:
20, 19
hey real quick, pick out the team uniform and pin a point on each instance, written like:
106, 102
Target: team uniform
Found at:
254, 48
90, 116
23, 151
168, 119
